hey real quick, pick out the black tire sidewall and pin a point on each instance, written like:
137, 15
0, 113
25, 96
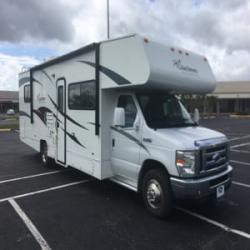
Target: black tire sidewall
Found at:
166, 204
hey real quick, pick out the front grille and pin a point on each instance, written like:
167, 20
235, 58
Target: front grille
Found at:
214, 158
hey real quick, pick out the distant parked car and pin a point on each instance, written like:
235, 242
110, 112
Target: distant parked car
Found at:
10, 112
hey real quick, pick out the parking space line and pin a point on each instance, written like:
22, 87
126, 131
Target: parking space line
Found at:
215, 223
240, 145
240, 151
241, 162
32, 176
241, 184
239, 138
32, 228
45, 190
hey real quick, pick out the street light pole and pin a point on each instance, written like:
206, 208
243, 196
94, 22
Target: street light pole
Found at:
108, 35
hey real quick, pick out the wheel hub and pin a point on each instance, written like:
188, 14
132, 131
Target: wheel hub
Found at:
154, 193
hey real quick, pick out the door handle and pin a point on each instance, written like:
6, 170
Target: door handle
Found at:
57, 124
147, 140
113, 142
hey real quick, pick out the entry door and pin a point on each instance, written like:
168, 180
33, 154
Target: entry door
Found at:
61, 121
126, 141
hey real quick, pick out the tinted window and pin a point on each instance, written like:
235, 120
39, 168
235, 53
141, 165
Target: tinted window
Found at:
128, 104
60, 99
82, 95
27, 93
162, 110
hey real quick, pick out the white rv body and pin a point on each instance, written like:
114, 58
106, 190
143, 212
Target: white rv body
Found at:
87, 139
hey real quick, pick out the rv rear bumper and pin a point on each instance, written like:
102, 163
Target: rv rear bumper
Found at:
200, 188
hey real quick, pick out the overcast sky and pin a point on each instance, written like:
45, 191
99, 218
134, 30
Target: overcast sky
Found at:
32, 30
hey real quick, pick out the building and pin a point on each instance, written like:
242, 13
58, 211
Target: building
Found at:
8, 100
232, 97
227, 98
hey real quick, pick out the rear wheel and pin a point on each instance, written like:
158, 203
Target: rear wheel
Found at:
156, 193
46, 160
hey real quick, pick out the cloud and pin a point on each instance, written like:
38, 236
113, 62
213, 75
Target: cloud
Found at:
234, 66
10, 66
35, 20
217, 29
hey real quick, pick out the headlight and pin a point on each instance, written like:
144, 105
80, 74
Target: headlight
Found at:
185, 162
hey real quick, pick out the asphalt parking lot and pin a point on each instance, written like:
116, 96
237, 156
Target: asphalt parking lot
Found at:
66, 209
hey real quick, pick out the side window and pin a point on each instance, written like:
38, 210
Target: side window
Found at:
60, 98
27, 93
82, 95
128, 104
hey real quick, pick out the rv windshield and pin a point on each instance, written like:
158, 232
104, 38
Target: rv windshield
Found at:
162, 110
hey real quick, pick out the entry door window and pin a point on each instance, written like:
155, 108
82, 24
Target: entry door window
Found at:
127, 102
60, 99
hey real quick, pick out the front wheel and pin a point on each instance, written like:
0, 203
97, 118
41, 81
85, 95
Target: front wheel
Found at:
157, 193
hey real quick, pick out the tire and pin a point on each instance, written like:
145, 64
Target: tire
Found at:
46, 160
156, 192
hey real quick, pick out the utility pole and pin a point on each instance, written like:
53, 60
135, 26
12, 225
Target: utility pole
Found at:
108, 35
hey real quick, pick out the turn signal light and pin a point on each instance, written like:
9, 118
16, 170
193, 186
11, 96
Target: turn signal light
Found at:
180, 162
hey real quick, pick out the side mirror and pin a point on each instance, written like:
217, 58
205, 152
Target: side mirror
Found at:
196, 116
119, 117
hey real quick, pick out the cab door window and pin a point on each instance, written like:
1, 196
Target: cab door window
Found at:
127, 102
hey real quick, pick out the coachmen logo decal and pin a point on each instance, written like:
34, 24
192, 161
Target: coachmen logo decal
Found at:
178, 64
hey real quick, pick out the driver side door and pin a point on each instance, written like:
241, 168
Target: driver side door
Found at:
126, 142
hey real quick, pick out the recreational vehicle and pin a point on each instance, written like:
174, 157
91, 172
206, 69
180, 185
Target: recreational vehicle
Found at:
111, 110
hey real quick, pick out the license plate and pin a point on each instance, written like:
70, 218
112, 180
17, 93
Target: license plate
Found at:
220, 191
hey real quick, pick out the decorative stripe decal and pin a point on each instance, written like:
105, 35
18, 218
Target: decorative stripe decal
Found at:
35, 80
67, 117
41, 113
92, 123
73, 137
57, 118
47, 75
129, 136
23, 81
120, 80
22, 113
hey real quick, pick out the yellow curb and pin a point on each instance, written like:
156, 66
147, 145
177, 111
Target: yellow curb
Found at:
5, 129
240, 116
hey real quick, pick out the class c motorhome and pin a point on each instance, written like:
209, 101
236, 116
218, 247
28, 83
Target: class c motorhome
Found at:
111, 109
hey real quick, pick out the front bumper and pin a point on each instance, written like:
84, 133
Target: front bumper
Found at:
200, 188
